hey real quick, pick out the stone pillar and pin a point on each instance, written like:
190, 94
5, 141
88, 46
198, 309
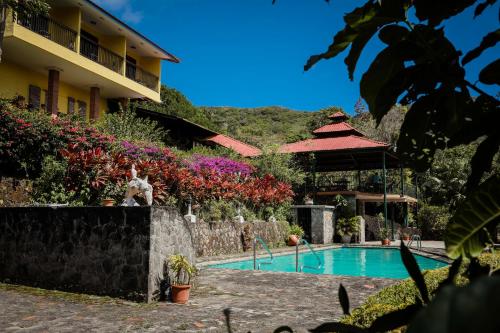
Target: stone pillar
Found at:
362, 229
95, 102
53, 92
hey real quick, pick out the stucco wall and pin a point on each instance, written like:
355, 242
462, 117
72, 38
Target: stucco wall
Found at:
116, 251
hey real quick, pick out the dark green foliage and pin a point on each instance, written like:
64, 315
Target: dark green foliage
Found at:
401, 295
414, 271
432, 221
452, 309
467, 233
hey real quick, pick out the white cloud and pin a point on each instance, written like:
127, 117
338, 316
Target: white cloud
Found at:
123, 8
132, 16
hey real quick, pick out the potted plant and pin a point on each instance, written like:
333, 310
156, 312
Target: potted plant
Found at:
384, 236
346, 227
295, 233
109, 191
182, 271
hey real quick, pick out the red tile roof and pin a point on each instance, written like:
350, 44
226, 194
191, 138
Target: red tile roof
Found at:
336, 128
331, 144
241, 148
338, 115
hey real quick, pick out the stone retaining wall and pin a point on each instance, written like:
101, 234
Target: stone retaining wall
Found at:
233, 237
116, 251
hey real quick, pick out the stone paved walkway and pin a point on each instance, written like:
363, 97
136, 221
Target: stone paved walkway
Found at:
259, 302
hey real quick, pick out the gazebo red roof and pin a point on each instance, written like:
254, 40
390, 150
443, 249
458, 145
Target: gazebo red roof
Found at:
332, 144
241, 148
337, 116
337, 129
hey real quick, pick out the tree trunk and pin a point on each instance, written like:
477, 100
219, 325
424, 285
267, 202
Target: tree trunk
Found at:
3, 21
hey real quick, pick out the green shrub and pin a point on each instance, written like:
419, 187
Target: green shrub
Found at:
348, 226
432, 220
218, 210
400, 295
281, 166
126, 126
50, 187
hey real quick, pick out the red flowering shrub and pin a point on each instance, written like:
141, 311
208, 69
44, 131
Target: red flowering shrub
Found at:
27, 137
99, 166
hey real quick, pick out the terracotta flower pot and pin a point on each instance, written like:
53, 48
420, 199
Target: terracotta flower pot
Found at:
293, 240
180, 293
386, 241
108, 202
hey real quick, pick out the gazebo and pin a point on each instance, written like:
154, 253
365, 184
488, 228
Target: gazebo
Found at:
338, 146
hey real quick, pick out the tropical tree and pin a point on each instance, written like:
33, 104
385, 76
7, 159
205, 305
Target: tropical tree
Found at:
19, 6
421, 67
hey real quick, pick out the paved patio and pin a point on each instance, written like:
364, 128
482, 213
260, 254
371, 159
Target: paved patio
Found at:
259, 302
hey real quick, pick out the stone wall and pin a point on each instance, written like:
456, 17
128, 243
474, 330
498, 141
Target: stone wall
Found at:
233, 237
116, 251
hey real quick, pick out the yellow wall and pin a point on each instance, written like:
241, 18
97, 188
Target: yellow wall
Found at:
16, 81
67, 16
152, 65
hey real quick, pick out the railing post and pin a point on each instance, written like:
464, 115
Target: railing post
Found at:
297, 256
254, 253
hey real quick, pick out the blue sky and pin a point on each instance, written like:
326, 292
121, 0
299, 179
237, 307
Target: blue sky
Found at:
249, 53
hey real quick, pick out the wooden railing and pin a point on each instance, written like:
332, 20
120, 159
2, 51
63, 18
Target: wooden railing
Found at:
95, 52
330, 184
48, 28
141, 76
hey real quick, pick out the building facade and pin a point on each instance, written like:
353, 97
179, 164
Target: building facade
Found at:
77, 59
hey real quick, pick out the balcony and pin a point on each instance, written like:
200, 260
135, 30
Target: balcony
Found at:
101, 55
141, 76
62, 35
50, 29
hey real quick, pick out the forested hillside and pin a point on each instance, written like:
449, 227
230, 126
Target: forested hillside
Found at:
260, 126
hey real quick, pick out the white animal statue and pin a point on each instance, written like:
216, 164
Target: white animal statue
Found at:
137, 186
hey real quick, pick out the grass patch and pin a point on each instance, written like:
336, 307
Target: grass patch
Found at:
69, 296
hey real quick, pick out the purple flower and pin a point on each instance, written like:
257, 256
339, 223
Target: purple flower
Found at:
221, 165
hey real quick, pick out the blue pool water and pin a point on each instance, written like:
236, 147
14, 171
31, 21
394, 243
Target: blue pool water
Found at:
374, 262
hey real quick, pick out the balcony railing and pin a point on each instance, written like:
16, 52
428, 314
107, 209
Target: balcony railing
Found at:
329, 184
48, 28
95, 52
141, 76
62, 35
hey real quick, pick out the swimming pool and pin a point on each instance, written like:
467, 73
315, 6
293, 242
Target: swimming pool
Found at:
354, 261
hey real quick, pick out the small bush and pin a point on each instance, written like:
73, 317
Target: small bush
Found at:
125, 125
432, 221
401, 295
50, 186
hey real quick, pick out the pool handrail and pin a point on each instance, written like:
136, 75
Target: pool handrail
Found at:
306, 243
264, 245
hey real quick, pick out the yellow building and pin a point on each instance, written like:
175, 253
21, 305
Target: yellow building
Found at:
77, 59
